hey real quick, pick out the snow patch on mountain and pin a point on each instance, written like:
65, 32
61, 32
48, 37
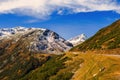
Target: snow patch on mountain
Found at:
12, 32
78, 39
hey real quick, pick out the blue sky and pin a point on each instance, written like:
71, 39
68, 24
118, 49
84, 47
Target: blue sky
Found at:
67, 21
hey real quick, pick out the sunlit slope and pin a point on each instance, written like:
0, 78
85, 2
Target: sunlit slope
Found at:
75, 66
106, 38
98, 67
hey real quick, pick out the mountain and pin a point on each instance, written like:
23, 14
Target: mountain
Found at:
34, 40
78, 39
23, 50
105, 39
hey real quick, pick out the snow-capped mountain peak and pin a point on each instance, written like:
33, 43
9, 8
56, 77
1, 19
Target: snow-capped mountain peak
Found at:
78, 39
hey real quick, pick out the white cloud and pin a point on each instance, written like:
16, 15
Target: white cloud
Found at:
31, 21
42, 9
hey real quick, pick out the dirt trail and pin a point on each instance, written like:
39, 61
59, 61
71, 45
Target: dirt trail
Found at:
114, 55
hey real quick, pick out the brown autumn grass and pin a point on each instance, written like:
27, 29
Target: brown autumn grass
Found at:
95, 66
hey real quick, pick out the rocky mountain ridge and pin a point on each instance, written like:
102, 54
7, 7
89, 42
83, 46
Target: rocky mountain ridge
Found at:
36, 39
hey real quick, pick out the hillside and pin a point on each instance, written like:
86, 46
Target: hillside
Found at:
106, 38
70, 66
97, 67
16, 64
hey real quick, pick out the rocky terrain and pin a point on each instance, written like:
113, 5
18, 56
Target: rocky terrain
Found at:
35, 39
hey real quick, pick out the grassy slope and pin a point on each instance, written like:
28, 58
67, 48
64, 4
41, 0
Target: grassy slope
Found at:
106, 38
97, 67
15, 66
78, 67
54, 69
16, 62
